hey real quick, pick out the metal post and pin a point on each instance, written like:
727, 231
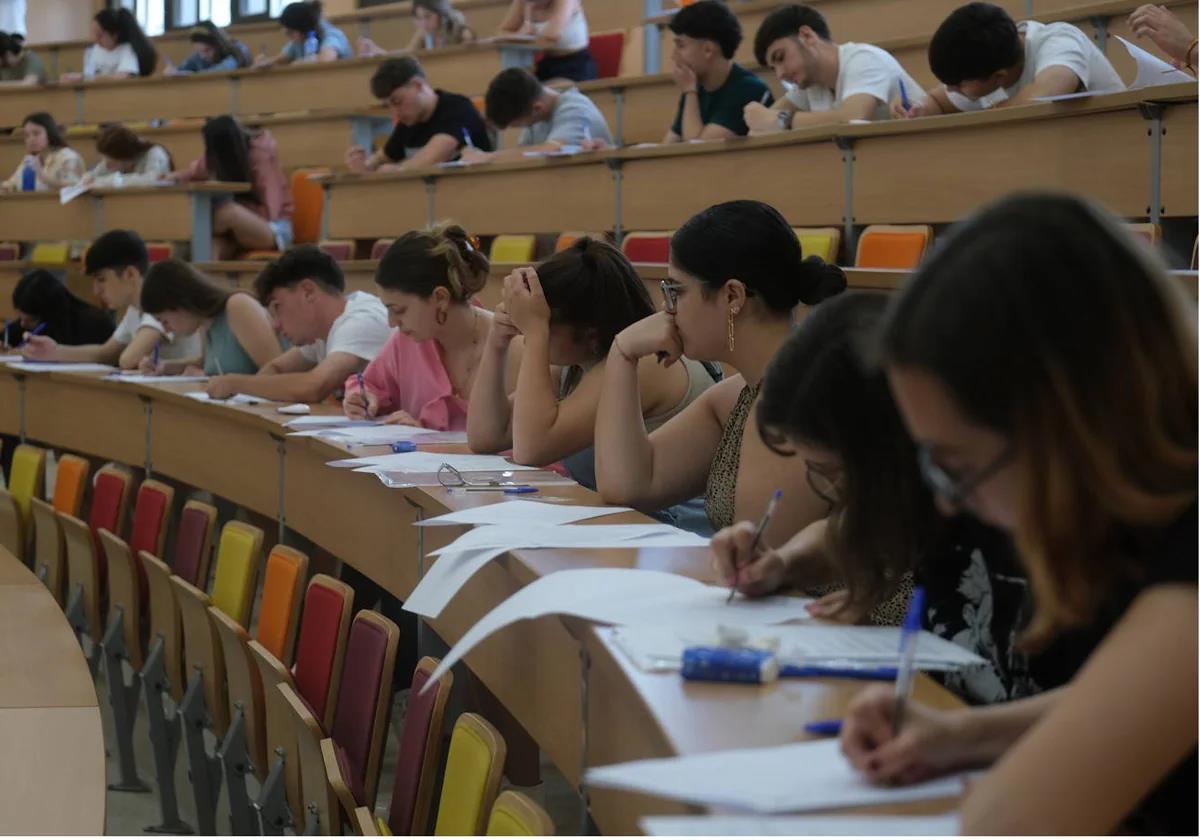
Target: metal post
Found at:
618, 229
312, 820
362, 132
148, 406
652, 41
204, 769
1152, 112
235, 88
201, 226
272, 806
846, 144
243, 819
431, 201
281, 450
124, 701
619, 132
420, 514
164, 738
325, 210
1099, 30
76, 615
585, 666
21, 406
98, 214
80, 111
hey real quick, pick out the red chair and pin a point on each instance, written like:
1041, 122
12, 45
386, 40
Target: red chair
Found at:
420, 752
339, 249
159, 251
606, 48
193, 543
647, 247
9, 251
86, 566
380, 248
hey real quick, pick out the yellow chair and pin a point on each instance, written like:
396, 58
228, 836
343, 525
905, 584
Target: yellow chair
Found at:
473, 768
238, 557
16, 503
50, 253
516, 815
893, 246
820, 242
508, 248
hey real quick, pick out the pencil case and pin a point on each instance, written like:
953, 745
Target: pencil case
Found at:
738, 665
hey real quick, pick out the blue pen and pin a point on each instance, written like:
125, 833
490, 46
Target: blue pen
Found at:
362, 389
904, 97
467, 138
154, 358
38, 330
519, 491
884, 673
909, 633
824, 727
402, 446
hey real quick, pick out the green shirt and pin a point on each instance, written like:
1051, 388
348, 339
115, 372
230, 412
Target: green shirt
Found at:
29, 65
724, 105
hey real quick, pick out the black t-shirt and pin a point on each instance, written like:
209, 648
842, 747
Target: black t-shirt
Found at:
453, 115
81, 324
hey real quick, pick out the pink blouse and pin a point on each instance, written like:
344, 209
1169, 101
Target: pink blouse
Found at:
272, 192
409, 376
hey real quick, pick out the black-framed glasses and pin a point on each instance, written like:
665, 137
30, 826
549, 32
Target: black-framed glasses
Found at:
823, 485
670, 293
953, 489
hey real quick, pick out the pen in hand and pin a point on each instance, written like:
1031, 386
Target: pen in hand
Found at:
758, 535
909, 633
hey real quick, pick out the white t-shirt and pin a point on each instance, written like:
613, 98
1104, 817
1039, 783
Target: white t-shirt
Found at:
172, 349
1051, 45
98, 61
361, 330
862, 68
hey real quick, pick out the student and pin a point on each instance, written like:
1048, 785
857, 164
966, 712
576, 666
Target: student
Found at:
333, 334
259, 220
984, 60
1045, 364
551, 119
235, 330
310, 37
49, 163
439, 25
825, 405
215, 50
41, 298
117, 262
561, 28
121, 48
432, 125
831, 82
714, 89
18, 65
1168, 33
736, 273
127, 159
568, 311
423, 376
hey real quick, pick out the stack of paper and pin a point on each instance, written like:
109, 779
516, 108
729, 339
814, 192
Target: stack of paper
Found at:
7, 360
654, 647
866, 825
60, 367
806, 776
236, 399
430, 462
511, 513
381, 435
148, 378
622, 596
327, 421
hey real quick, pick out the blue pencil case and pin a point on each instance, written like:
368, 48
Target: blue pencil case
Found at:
737, 665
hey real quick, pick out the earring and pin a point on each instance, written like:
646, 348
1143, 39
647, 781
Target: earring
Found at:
731, 342
440, 317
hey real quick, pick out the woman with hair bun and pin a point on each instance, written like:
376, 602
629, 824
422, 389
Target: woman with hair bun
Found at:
422, 377
736, 274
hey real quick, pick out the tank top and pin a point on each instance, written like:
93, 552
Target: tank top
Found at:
222, 352
722, 474
574, 35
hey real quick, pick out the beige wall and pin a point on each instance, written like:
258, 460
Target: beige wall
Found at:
60, 20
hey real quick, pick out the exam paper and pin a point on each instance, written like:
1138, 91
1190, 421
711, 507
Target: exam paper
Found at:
805, 776
68, 194
372, 435
328, 421
1152, 70
530, 535
736, 825
236, 399
508, 513
61, 367
430, 462
10, 359
621, 596
145, 377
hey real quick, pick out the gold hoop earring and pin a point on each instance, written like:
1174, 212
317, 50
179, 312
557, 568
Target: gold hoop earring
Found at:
731, 342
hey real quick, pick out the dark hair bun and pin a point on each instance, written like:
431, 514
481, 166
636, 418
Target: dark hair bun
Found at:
820, 280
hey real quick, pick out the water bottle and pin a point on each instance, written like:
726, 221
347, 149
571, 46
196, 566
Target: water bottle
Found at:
311, 45
28, 175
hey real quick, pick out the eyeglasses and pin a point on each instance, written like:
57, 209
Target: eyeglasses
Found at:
823, 485
670, 292
956, 490
449, 476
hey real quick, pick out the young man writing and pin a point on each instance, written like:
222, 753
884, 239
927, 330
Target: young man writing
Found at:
333, 334
117, 262
432, 126
832, 83
714, 89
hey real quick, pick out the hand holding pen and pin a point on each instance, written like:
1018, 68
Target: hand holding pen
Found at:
772, 505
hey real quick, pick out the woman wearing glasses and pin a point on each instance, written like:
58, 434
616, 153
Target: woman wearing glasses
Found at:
1045, 365
736, 274
567, 312
827, 408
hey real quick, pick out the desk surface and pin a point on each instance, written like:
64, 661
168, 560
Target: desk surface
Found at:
52, 766
531, 667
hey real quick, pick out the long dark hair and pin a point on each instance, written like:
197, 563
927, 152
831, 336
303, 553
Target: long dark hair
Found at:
175, 284
121, 24
227, 149
42, 295
752, 242
207, 32
443, 255
54, 132
822, 389
304, 16
1048, 322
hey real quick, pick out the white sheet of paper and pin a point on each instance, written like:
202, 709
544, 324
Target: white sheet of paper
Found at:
618, 596
10, 359
61, 367
327, 421
236, 399
369, 435
510, 513
429, 462
69, 194
657, 647
737, 825
805, 776
145, 377
532, 535
1152, 70
442, 582
1083, 94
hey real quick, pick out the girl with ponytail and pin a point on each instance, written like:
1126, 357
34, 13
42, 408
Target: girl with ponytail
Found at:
121, 48
422, 377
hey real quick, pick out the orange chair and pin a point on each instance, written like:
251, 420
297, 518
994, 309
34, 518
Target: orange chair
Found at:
820, 242
606, 48
893, 246
308, 198
70, 487
339, 249
647, 247
568, 238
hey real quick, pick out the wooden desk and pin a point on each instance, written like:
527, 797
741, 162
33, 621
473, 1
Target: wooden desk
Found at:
533, 667
52, 768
